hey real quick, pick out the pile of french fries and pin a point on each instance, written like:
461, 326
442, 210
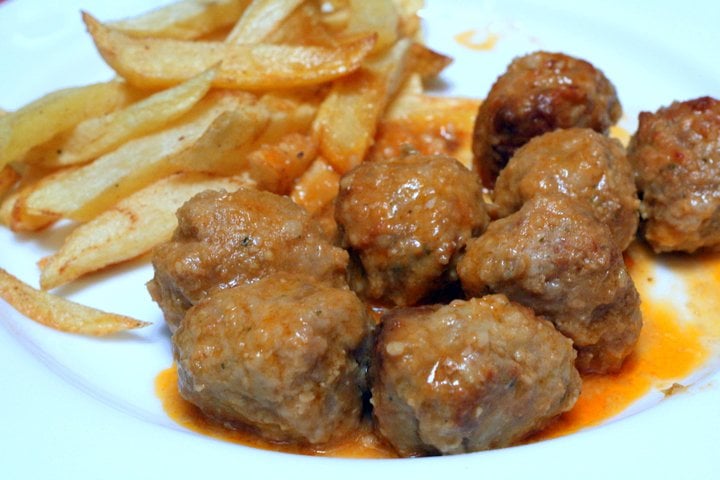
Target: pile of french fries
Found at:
281, 95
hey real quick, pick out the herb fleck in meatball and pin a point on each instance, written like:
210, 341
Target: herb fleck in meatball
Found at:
469, 376
282, 356
538, 93
580, 163
553, 256
405, 222
224, 239
676, 156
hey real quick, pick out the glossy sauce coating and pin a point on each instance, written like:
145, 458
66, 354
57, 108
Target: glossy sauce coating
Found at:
405, 222
283, 356
224, 239
538, 93
579, 163
469, 376
676, 156
553, 256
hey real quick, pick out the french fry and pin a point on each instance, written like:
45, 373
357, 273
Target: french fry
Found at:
6, 207
275, 166
96, 136
409, 19
44, 118
347, 119
8, 177
59, 313
379, 16
153, 62
22, 220
316, 187
304, 26
94, 187
426, 62
185, 20
260, 19
129, 229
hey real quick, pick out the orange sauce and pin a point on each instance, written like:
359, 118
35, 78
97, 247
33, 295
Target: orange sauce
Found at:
468, 39
361, 445
429, 125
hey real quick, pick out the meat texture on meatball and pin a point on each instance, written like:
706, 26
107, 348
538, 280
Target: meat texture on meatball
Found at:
554, 257
538, 93
405, 222
282, 356
580, 163
472, 375
676, 156
224, 239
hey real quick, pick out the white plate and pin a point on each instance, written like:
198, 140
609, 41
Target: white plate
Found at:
85, 408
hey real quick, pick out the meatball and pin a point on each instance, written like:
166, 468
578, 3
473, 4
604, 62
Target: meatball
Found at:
538, 93
224, 239
282, 356
676, 156
472, 375
405, 222
554, 257
578, 162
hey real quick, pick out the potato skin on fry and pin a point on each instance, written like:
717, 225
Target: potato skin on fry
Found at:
224, 239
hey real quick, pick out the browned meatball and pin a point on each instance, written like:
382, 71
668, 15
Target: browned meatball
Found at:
279, 356
224, 239
676, 156
578, 162
554, 257
405, 221
469, 376
538, 93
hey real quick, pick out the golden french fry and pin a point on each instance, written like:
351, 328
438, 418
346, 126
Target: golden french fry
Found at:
227, 142
96, 136
304, 26
22, 220
379, 16
316, 187
409, 19
260, 19
275, 166
287, 115
427, 62
44, 118
92, 188
59, 313
131, 228
154, 62
347, 119
6, 207
186, 19
8, 177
